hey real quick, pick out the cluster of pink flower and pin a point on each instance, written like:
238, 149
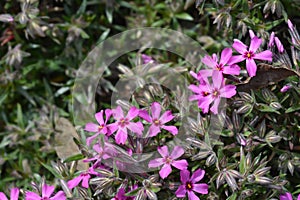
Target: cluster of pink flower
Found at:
206, 93
46, 194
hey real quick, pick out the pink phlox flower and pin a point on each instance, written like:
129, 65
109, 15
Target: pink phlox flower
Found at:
168, 160
158, 120
147, 59
189, 184
252, 34
288, 196
84, 177
102, 153
121, 195
221, 66
285, 88
123, 123
14, 194
101, 127
47, 191
250, 54
207, 94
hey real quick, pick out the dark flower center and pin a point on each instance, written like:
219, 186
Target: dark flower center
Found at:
248, 55
100, 127
220, 67
168, 160
205, 94
123, 122
45, 198
156, 122
189, 186
216, 93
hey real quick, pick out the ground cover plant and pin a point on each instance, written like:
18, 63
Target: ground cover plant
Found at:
217, 122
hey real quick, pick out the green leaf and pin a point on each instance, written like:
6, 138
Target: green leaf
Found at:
82, 8
265, 108
50, 169
2, 98
74, 158
232, 197
20, 119
184, 16
293, 108
109, 14
133, 192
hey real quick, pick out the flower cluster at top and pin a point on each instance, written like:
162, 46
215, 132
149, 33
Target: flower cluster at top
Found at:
207, 93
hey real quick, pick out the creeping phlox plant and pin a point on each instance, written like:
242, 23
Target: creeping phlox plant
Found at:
120, 136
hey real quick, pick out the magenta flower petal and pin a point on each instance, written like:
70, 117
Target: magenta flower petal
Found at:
112, 127
255, 43
99, 117
201, 188
251, 33
195, 89
163, 151
217, 79
285, 88
271, 40
74, 182
233, 69
207, 60
236, 59
228, 91
279, 45
177, 152
204, 103
197, 175
225, 55
192, 196
204, 73
166, 117
239, 46
85, 181
171, 129
3, 196
184, 176
154, 130
180, 164
118, 113
132, 113
181, 191
156, 162
59, 196
155, 110
264, 55
91, 127
90, 139
298, 198
145, 115
165, 171
215, 107
14, 194
136, 127
290, 24
121, 136
251, 67
286, 196
47, 190
31, 196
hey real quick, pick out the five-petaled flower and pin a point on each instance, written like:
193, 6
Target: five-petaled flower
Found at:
123, 123
84, 177
168, 160
249, 54
206, 94
158, 121
189, 184
47, 191
14, 194
222, 66
100, 128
